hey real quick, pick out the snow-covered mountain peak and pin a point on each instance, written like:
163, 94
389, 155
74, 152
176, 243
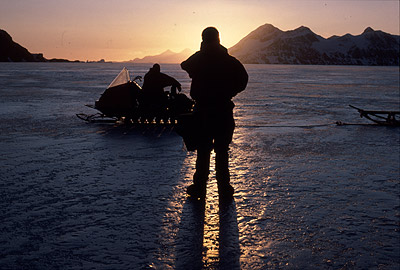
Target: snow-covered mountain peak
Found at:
263, 31
368, 30
270, 45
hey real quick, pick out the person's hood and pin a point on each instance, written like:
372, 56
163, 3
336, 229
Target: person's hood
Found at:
213, 48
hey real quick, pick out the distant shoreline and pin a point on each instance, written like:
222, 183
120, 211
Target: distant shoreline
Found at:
151, 63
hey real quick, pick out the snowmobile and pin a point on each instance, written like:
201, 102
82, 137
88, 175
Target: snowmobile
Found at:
124, 101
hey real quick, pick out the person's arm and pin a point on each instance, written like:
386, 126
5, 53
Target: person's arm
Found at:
170, 81
241, 77
190, 64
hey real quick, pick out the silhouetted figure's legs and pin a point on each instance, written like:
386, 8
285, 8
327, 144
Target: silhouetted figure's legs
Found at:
217, 131
225, 190
224, 127
202, 167
200, 177
221, 166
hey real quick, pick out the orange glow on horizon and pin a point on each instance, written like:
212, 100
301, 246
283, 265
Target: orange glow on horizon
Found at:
124, 30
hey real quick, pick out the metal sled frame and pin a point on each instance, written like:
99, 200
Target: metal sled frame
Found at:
384, 118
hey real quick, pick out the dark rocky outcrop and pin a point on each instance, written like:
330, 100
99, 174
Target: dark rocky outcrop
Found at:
11, 51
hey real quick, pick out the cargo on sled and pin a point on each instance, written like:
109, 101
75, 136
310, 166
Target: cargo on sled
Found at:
124, 100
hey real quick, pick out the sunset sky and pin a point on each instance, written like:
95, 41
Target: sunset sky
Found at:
125, 29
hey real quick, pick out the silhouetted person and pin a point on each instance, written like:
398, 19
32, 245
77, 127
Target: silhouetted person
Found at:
153, 98
216, 78
155, 81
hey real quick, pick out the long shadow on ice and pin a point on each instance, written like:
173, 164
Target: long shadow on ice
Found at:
189, 240
229, 249
207, 240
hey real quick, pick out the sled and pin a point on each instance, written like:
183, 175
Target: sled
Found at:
384, 118
124, 101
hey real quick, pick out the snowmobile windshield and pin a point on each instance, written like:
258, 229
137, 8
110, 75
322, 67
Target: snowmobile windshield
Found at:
122, 77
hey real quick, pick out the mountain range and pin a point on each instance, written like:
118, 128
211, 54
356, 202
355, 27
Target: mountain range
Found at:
269, 45
165, 57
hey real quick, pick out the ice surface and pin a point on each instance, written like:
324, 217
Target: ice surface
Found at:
309, 194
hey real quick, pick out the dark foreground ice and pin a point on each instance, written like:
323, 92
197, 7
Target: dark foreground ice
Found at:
309, 194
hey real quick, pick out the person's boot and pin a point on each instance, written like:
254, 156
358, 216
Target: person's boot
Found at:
225, 191
198, 188
196, 191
